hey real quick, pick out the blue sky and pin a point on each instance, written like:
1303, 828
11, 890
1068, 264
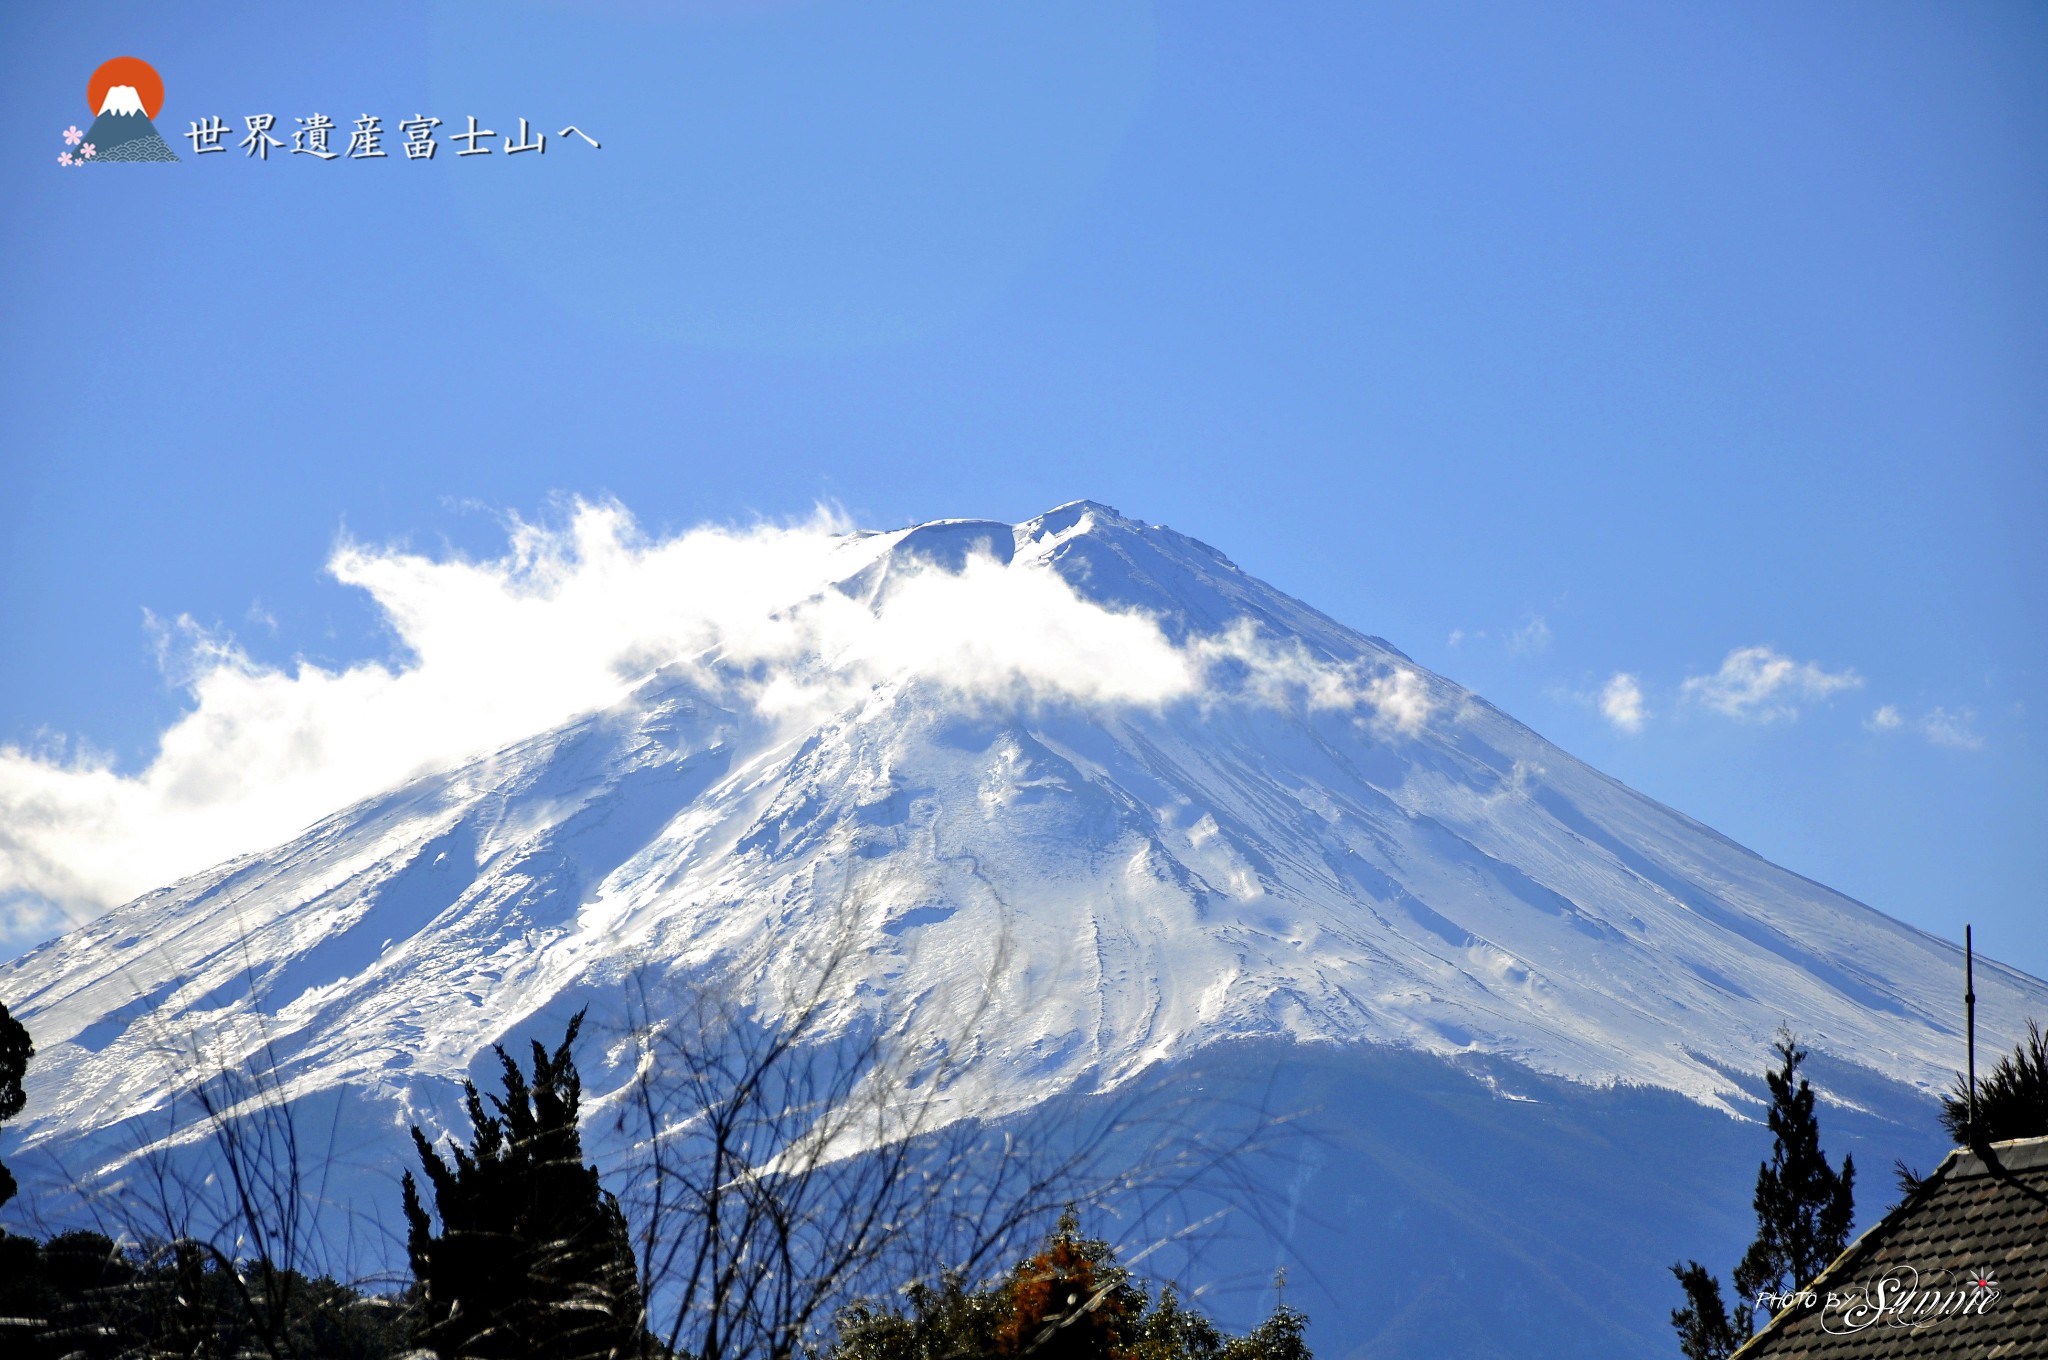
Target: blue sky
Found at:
1682, 343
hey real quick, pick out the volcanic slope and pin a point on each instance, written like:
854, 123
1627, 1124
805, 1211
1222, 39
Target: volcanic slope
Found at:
1299, 837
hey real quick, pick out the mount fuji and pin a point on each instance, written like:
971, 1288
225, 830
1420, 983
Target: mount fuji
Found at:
123, 132
1237, 847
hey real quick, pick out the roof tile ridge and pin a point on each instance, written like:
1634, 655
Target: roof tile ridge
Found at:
1865, 1242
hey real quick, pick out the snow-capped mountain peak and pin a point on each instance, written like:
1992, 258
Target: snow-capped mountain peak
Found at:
122, 99
1087, 762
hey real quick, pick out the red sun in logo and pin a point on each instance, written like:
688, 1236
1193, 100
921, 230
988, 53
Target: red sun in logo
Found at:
130, 71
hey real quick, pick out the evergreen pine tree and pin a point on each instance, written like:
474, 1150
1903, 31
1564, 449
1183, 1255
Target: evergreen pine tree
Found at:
1172, 1331
15, 1051
946, 1321
2012, 1101
1282, 1336
1704, 1331
533, 1258
1804, 1209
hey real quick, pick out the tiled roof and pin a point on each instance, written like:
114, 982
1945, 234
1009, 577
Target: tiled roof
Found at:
1909, 1286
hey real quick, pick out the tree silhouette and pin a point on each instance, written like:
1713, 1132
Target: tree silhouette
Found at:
2012, 1102
1804, 1209
1704, 1331
533, 1258
15, 1051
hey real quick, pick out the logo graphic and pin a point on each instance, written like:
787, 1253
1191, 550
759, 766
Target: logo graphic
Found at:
1902, 1297
124, 95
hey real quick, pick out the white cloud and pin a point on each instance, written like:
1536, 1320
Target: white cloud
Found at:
1941, 727
1531, 638
1621, 702
567, 622
1761, 684
1952, 730
1286, 675
1400, 699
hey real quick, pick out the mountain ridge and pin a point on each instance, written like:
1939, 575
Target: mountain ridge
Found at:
1255, 859
1067, 811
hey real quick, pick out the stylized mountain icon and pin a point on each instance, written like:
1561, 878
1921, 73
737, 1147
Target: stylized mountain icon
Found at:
125, 94
123, 131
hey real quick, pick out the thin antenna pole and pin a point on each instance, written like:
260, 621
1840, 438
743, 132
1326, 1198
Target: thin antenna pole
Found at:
1970, 1011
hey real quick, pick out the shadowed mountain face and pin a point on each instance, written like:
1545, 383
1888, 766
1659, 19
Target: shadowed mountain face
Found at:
1528, 993
116, 136
1464, 1209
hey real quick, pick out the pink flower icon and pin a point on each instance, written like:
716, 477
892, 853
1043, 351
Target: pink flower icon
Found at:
72, 136
87, 150
64, 158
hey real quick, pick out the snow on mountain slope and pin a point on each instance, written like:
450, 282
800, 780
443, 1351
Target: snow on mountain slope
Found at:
121, 99
1218, 814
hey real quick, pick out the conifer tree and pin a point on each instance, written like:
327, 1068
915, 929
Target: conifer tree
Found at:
15, 1051
1282, 1336
1804, 1209
1704, 1331
2012, 1101
533, 1258
1173, 1331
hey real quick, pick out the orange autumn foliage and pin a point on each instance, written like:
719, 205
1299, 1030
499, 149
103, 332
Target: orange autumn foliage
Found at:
1063, 1306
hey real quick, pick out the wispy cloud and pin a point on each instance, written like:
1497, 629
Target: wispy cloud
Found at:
1400, 699
1532, 638
1621, 703
1953, 730
1956, 731
1761, 684
567, 622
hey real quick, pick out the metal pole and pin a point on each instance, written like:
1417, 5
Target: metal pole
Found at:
1970, 1011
